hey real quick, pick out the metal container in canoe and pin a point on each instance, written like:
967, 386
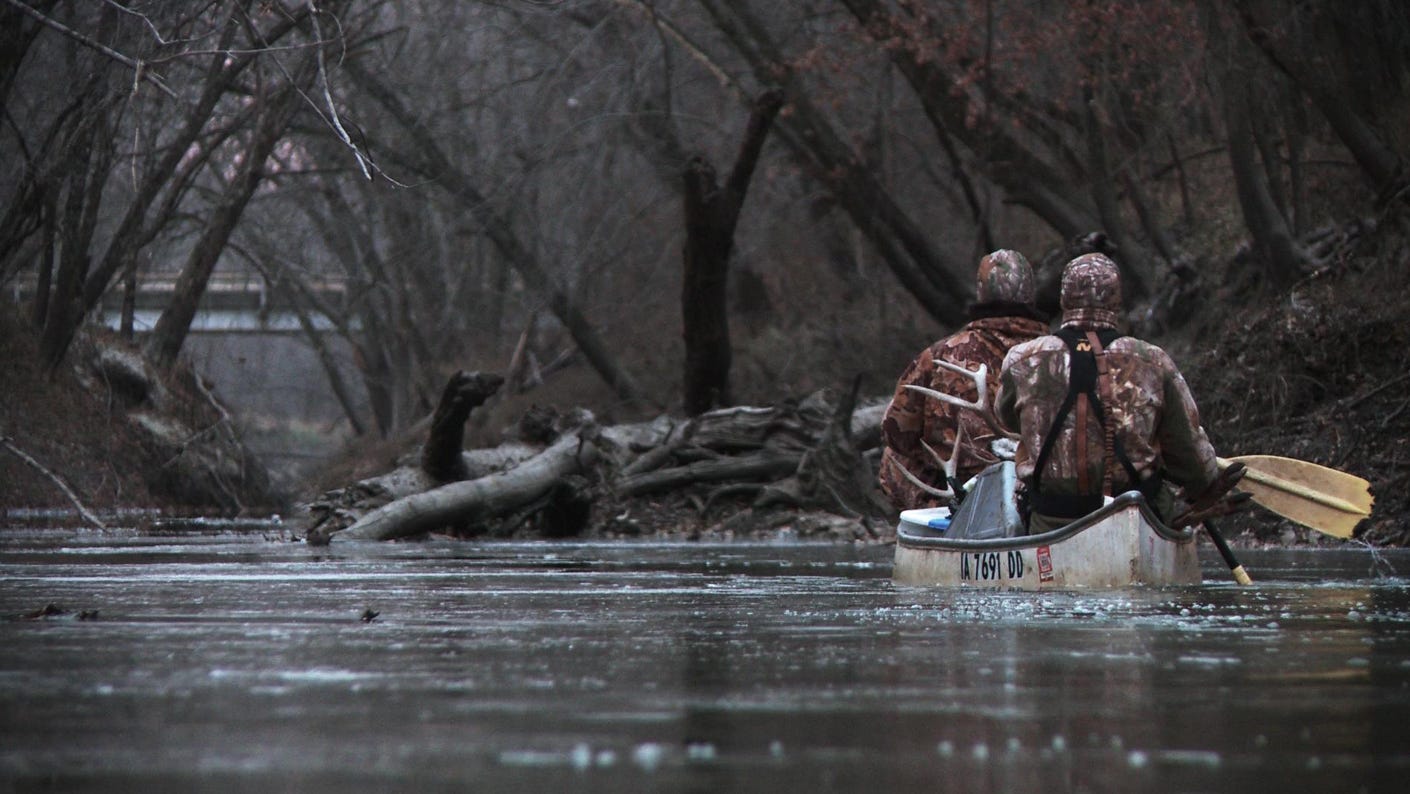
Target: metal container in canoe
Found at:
984, 545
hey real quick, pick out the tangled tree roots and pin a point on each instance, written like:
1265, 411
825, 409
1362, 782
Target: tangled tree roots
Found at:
803, 455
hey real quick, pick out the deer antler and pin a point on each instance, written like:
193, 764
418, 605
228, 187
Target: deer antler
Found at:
980, 405
947, 466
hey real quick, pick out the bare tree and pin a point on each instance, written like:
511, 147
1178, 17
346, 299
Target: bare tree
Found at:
1365, 55
1280, 254
431, 160
711, 213
272, 113
76, 164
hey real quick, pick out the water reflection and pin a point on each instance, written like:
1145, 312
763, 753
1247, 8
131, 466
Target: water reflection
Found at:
232, 662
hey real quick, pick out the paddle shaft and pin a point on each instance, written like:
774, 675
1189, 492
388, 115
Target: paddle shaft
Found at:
1240, 575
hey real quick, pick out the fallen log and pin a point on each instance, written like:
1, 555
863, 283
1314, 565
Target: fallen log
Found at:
798, 455
766, 464
832, 475
465, 502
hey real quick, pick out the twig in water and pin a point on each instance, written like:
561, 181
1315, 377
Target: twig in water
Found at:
63, 486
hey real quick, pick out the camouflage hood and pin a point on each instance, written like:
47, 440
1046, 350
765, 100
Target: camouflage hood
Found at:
1091, 292
1005, 277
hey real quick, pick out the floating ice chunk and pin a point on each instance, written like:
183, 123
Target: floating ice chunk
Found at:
1207, 758
648, 756
581, 756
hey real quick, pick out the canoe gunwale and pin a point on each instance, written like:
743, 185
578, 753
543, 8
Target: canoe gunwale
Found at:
905, 536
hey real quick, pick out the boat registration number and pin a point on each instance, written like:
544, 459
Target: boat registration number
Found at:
988, 566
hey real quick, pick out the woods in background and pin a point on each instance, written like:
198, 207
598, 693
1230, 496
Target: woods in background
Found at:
509, 186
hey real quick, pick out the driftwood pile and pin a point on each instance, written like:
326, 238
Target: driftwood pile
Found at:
808, 462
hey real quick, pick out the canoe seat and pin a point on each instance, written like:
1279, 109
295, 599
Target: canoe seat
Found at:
989, 511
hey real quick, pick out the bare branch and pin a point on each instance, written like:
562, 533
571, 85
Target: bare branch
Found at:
696, 51
333, 119
63, 486
137, 66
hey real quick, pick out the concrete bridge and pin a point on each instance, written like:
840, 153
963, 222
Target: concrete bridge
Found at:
232, 304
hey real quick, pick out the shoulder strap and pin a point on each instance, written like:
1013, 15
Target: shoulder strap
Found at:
1108, 428
1084, 382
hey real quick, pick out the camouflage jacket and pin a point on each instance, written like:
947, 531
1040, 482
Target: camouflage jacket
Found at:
1158, 423
911, 417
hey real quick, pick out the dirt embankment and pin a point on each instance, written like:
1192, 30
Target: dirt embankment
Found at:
1320, 373
118, 434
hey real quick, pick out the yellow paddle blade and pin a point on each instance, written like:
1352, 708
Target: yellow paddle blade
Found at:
1327, 500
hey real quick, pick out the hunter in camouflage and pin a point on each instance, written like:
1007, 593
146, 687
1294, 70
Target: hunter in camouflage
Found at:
1157, 422
1002, 316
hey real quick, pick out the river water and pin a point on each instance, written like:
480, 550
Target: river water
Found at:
238, 661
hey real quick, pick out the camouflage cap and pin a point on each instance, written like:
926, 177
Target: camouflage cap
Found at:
1091, 292
1005, 275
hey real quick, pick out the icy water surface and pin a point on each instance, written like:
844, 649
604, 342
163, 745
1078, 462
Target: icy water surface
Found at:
235, 662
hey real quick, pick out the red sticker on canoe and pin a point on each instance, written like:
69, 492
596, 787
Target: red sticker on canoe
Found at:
1045, 564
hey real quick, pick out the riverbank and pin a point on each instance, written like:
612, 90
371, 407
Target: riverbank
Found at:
107, 433
1320, 373
1317, 373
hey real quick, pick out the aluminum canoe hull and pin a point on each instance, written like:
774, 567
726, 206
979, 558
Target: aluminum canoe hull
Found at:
1121, 545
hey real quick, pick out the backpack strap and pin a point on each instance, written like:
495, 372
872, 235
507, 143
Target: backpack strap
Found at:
1109, 428
1089, 390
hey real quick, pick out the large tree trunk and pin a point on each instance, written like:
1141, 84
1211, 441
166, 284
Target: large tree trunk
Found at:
169, 334
709, 236
76, 222
711, 214
1379, 161
1103, 189
907, 250
1283, 258
171, 169
1025, 177
463, 393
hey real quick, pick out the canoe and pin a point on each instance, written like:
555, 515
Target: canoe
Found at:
983, 545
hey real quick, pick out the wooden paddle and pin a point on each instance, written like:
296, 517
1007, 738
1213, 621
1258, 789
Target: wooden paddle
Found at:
1329, 501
